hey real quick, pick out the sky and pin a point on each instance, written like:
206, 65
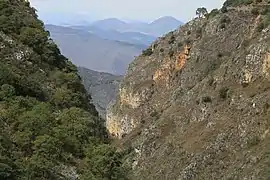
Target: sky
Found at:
52, 11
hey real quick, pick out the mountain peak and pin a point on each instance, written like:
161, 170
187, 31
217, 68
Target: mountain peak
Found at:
166, 19
109, 20
164, 24
110, 23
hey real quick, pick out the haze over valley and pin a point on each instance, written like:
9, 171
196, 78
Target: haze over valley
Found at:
108, 45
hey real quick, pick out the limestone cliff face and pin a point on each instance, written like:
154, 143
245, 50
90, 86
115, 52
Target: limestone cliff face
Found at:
198, 106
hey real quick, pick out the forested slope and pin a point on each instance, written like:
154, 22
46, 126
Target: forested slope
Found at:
48, 128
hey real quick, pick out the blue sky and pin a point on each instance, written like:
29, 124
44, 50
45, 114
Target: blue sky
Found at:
144, 10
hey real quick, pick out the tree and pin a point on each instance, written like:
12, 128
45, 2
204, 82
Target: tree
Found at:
47, 123
201, 12
103, 162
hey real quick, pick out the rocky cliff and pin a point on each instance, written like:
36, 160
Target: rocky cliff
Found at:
195, 105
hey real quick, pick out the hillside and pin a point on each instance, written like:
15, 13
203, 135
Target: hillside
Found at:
49, 130
90, 51
101, 86
195, 105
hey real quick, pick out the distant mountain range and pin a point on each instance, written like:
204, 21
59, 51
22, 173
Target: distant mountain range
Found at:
156, 28
130, 37
88, 50
108, 45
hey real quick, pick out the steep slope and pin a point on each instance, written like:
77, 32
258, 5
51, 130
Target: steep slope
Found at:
101, 86
90, 51
49, 130
195, 105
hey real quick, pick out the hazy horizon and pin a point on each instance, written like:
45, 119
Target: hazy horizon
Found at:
87, 11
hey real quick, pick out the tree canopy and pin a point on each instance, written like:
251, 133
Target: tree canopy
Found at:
48, 124
201, 12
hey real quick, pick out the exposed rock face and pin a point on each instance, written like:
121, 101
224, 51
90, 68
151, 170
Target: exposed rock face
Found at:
198, 107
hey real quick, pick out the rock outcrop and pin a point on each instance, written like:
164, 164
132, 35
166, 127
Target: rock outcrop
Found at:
198, 106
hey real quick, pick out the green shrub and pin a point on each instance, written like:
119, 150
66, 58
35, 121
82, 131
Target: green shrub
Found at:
7, 91
225, 19
180, 44
224, 9
199, 32
187, 41
260, 26
255, 11
213, 13
253, 141
265, 11
266, 106
211, 81
222, 26
172, 39
154, 114
206, 99
234, 3
223, 92
220, 55
147, 52
171, 53
245, 43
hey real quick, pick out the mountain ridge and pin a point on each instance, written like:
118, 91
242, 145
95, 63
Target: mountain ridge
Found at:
195, 104
156, 28
135, 38
88, 50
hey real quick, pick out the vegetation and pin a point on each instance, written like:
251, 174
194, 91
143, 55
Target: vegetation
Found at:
199, 32
234, 3
224, 9
223, 92
147, 52
213, 13
265, 10
255, 11
171, 53
201, 12
172, 39
47, 122
180, 44
206, 99
265, 20
224, 21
